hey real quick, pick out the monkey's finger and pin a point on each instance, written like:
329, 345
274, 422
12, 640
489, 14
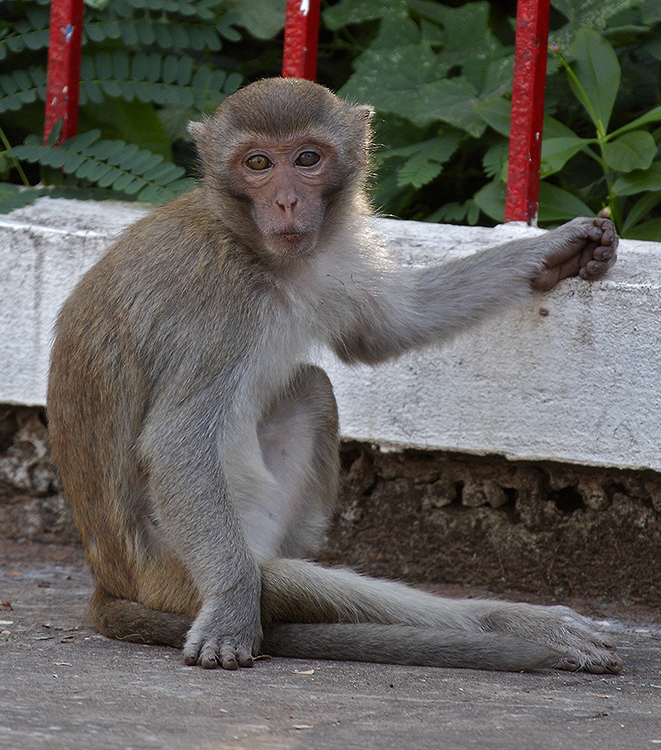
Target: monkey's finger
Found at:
594, 268
228, 657
568, 664
244, 657
208, 657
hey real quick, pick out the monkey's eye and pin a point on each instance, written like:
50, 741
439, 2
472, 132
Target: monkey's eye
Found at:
307, 159
258, 162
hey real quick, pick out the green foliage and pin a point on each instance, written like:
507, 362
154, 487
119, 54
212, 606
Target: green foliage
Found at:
143, 61
13, 196
628, 181
440, 79
109, 164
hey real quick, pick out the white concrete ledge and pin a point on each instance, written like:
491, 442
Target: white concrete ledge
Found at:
574, 375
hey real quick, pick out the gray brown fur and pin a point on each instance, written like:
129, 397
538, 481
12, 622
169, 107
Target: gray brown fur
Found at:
199, 449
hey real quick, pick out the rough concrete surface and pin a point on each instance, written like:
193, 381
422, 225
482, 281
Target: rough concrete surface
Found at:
64, 687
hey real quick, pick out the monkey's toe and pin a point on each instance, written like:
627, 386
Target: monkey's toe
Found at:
568, 664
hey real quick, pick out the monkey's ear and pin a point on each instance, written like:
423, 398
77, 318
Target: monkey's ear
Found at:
198, 130
364, 112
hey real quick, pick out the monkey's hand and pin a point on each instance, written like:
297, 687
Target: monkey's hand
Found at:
226, 632
584, 247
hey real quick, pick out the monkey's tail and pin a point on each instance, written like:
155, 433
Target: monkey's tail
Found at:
130, 621
403, 644
342, 615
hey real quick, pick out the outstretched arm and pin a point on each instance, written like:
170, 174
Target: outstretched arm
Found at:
409, 309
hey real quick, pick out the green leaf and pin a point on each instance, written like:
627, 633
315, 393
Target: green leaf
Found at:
654, 115
592, 14
640, 209
13, 197
495, 160
134, 121
648, 230
633, 150
598, 71
263, 18
72, 162
427, 163
124, 159
639, 181
469, 41
391, 79
454, 100
451, 100
558, 205
109, 177
556, 152
81, 141
348, 12
56, 130
164, 173
122, 181
491, 199
497, 113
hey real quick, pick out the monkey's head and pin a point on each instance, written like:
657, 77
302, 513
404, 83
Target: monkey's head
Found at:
284, 161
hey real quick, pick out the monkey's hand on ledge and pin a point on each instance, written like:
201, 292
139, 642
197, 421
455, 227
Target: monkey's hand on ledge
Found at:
584, 247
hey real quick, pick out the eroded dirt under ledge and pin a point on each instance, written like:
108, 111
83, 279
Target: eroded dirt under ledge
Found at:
427, 517
554, 529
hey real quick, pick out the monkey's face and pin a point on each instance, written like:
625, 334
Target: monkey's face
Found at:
284, 163
285, 187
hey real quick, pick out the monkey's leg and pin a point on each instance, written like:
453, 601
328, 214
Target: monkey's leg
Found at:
298, 441
300, 432
299, 591
401, 644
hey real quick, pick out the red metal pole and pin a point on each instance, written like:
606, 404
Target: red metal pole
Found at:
299, 58
63, 85
532, 31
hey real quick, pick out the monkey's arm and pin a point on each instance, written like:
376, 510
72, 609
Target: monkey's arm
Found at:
415, 308
190, 491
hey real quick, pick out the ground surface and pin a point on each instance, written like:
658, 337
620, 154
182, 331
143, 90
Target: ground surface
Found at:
64, 687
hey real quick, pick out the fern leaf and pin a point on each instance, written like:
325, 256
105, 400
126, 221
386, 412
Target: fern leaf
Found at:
13, 196
152, 78
29, 33
21, 87
82, 140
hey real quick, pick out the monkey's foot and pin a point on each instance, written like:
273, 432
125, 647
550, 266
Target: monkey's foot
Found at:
213, 643
212, 651
579, 640
586, 646
584, 247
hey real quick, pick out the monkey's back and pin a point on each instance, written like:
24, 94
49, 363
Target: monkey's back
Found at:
135, 322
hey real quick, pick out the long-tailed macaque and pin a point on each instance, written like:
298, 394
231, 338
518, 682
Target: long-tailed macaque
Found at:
198, 447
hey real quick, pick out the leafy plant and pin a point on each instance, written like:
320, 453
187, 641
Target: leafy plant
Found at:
148, 67
110, 164
440, 79
439, 76
627, 185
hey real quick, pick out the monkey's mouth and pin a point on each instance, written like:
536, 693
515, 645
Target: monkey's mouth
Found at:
290, 236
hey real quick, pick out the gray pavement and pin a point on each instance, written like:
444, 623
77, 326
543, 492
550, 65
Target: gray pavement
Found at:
64, 687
